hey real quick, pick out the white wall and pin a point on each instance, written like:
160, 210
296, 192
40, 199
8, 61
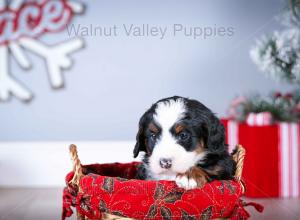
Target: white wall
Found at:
115, 79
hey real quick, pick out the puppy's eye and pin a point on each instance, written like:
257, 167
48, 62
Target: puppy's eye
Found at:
153, 136
182, 136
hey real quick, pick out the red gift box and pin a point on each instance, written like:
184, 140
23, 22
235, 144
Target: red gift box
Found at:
271, 167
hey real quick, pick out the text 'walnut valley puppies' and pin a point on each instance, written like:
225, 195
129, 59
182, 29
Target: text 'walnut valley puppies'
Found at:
183, 141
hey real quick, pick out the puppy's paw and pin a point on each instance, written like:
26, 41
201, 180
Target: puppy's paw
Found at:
185, 182
193, 178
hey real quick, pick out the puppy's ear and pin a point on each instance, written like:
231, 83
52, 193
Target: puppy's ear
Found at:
141, 136
216, 136
140, 142
204, 135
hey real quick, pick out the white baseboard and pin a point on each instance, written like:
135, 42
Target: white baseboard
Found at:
45, 164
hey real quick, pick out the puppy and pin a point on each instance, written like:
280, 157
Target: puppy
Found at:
183, 141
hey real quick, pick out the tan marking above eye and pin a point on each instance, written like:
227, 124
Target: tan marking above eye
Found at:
179, 128
153, 128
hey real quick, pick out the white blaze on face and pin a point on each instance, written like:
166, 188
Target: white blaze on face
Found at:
166, 115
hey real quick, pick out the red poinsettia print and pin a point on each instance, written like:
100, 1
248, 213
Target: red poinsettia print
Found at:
117, 192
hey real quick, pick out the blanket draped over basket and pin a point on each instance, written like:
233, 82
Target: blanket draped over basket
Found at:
99, 189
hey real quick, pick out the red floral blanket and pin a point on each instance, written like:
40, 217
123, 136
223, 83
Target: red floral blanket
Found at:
110, 188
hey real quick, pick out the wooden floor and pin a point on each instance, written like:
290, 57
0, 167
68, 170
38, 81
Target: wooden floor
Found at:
45, 204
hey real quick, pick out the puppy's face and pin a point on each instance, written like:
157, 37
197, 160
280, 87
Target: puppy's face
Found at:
174, 134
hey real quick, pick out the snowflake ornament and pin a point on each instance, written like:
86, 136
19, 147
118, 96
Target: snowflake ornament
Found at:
22, 22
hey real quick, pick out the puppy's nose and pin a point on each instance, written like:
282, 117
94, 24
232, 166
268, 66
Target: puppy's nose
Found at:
165, 163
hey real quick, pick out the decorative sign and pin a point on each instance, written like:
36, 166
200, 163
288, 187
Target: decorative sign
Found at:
22, 22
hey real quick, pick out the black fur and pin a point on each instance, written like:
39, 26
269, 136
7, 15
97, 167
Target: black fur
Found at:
201, 124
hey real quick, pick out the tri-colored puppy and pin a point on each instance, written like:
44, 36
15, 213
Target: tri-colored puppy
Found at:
183, 141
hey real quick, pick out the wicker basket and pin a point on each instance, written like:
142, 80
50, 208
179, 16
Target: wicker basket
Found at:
78, 174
